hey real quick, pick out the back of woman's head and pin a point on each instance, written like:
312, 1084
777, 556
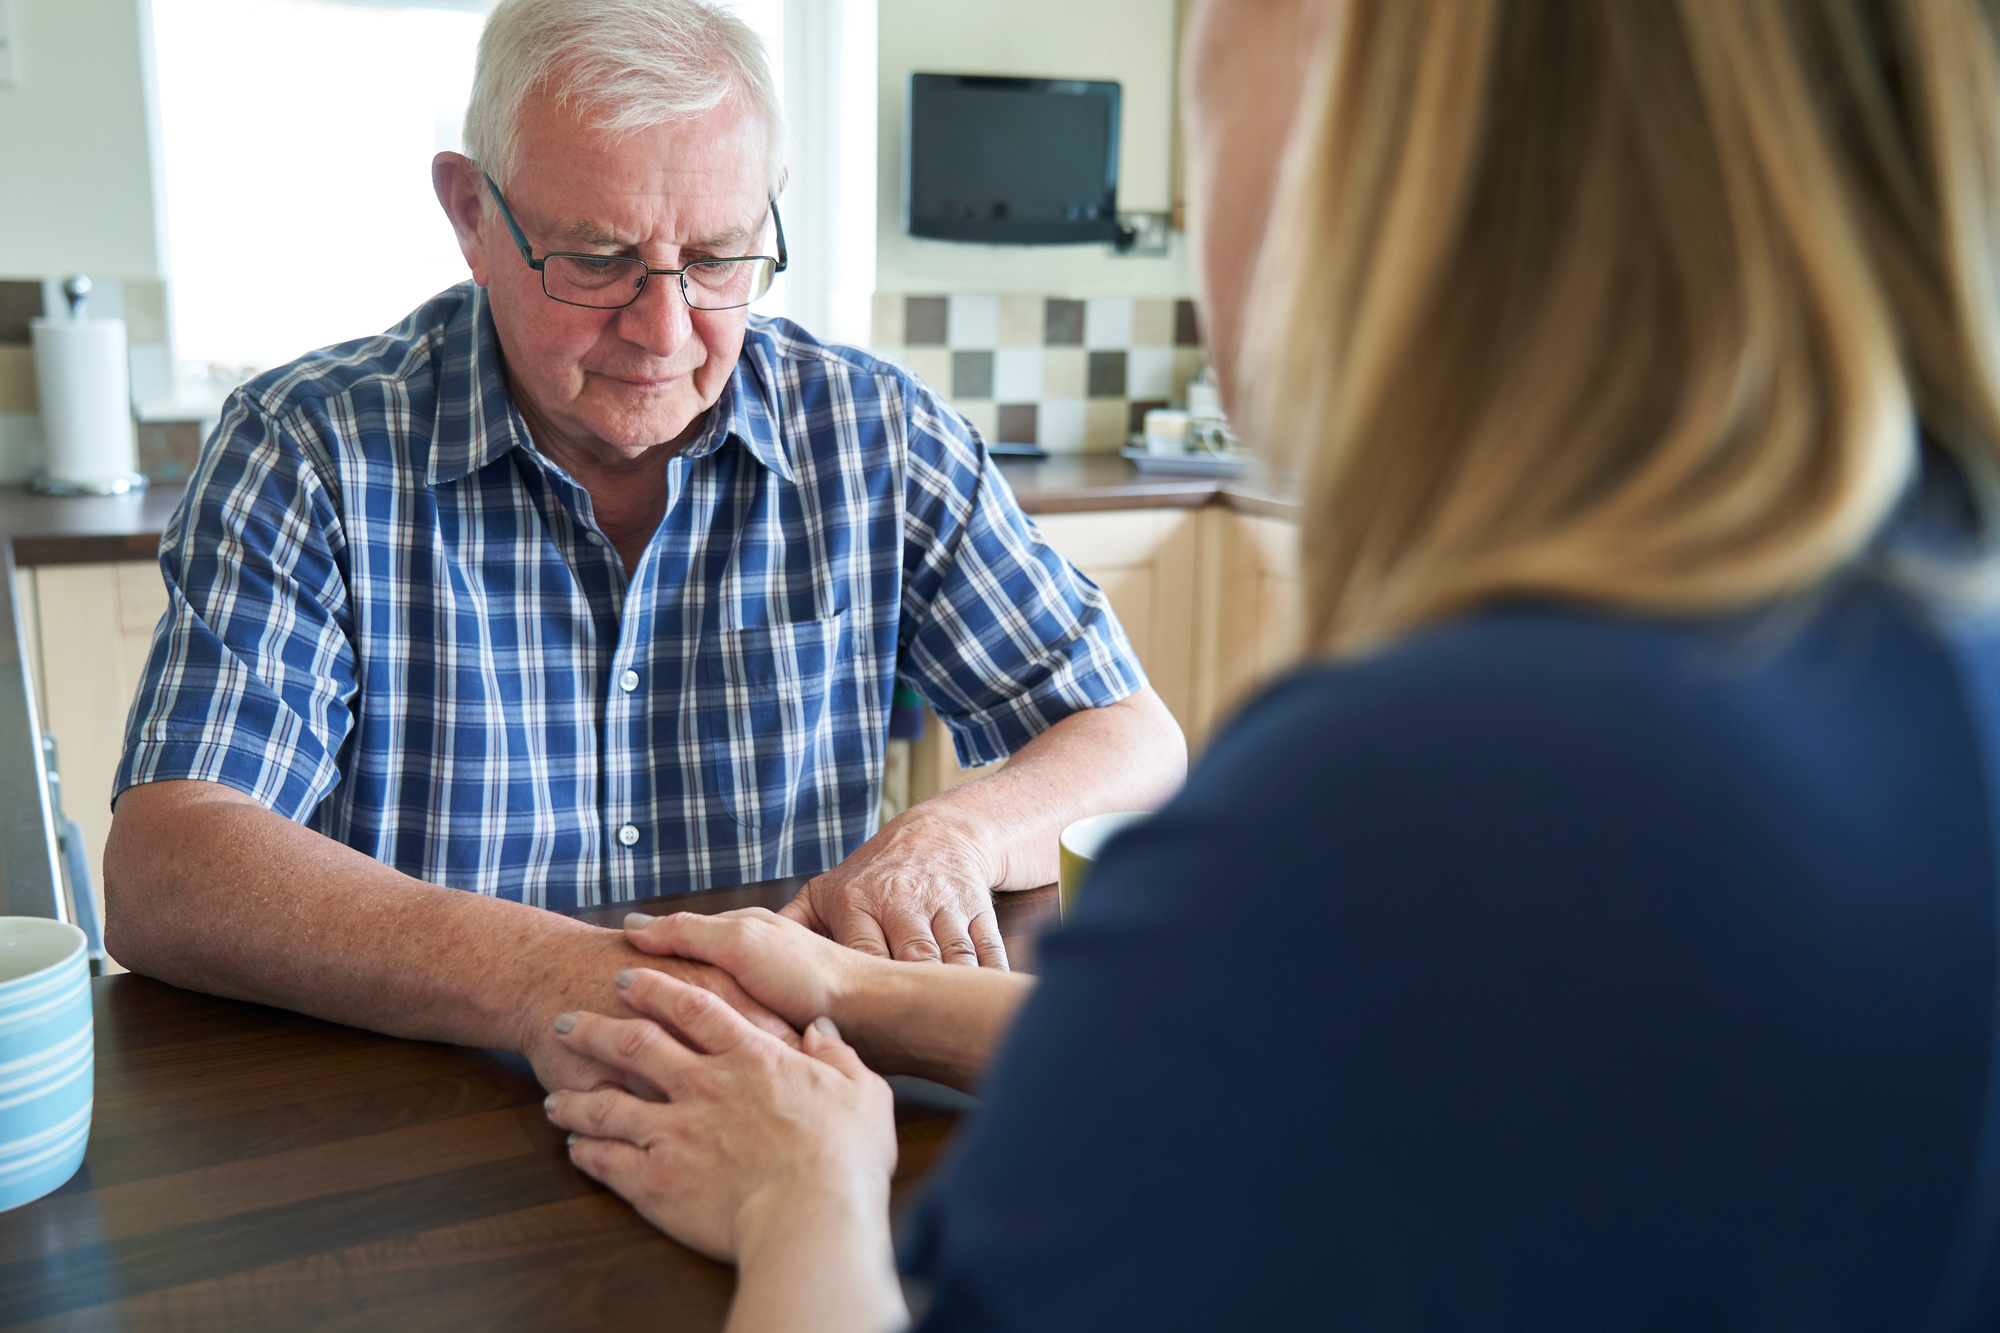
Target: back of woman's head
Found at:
1634, 304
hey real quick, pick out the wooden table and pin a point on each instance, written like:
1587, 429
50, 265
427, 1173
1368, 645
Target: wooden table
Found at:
251, 1168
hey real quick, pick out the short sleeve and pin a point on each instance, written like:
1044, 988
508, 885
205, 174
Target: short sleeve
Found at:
1001, 636
252, 675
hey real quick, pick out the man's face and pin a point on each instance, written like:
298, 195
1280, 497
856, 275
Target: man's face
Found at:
614, 383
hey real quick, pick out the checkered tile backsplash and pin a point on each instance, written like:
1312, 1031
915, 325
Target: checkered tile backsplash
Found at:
1073, 376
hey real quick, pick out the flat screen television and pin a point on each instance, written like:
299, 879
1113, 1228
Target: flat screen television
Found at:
1011, 161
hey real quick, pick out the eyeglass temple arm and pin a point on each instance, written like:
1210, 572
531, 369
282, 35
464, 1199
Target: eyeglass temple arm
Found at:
507, 215
528, 251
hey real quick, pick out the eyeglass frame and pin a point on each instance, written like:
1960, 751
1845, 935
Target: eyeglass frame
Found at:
541, 265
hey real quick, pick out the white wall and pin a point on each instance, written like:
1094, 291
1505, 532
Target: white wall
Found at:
77, 158
1131, 41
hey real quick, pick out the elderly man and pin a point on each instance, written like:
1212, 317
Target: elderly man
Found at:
579, 586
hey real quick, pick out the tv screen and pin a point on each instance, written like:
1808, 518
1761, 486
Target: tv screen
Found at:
1011, 161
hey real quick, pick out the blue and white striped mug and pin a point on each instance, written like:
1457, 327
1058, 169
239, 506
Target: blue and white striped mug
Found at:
46, 1056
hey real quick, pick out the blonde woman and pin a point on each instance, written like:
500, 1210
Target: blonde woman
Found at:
1599, 932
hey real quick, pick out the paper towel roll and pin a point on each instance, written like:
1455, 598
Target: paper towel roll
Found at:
85, 384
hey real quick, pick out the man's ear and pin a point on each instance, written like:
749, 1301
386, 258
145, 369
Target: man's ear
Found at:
458, 185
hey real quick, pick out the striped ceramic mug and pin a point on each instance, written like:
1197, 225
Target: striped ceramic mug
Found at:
46, 1057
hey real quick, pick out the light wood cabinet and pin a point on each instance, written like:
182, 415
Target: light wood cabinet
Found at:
89, 628
1206, 595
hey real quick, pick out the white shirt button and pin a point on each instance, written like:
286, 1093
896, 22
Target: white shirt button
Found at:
629, 681
595, 538
629, 834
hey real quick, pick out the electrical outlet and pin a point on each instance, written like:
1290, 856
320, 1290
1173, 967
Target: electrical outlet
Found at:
1146, 235
10, 62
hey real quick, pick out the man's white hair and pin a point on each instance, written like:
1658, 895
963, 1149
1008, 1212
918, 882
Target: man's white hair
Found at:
620, 65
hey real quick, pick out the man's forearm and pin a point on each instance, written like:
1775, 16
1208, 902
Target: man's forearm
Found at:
1127, 756
211, 892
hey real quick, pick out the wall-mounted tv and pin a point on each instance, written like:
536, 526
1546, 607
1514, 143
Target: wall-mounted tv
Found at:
1011, 161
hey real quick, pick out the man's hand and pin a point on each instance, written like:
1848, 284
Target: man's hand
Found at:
578, 975
919, 890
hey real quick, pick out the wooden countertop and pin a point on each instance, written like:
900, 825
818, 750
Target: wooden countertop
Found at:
251, 1168
46, 530
85, 529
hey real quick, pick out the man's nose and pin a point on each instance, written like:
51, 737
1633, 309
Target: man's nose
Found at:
658, 321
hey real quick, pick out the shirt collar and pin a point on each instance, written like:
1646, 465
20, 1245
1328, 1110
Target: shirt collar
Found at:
744, 412
477, 422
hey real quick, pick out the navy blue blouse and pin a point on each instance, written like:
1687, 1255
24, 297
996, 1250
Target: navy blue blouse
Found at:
1550, 970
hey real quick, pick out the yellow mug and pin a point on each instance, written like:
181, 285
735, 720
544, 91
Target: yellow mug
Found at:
1081, 843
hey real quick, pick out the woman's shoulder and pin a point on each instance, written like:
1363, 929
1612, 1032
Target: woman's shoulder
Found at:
1514, 685
1527, 732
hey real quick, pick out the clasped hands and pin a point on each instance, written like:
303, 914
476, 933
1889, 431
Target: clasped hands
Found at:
733, 1089
733, 1135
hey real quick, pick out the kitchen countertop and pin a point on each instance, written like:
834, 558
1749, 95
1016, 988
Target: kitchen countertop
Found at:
84, 530
44, 530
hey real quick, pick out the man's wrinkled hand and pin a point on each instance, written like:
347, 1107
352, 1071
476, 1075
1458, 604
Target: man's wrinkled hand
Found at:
919, 891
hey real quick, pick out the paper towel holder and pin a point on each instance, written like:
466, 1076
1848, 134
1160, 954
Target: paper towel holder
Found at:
76, 289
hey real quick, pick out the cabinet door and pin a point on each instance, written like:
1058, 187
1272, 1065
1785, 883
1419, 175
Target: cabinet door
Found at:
94, 626
1249, 604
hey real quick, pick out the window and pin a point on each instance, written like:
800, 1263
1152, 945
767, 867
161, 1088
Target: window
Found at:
296, 137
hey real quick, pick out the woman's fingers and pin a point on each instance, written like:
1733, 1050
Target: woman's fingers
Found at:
823, 1042
619, 1165
633, 1045
715, 939
603, 1113
699, 1015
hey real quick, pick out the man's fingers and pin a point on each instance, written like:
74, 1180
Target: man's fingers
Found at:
802, 910
954, 944
701, 1016
862, 933
601, 1113
910, 937
986, 942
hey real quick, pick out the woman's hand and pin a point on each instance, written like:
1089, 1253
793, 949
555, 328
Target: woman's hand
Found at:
759, 1142
789, 969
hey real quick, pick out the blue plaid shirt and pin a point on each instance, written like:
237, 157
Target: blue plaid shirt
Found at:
393, 620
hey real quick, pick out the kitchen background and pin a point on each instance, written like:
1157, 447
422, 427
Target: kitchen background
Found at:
245, 180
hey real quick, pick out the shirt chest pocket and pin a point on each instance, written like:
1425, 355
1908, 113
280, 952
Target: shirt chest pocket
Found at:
764, 717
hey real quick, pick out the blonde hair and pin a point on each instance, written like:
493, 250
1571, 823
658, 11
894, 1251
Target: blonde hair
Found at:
1633, 304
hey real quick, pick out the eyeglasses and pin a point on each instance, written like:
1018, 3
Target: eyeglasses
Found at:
611, 282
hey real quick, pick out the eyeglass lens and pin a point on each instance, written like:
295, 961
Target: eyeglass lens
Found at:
610, 281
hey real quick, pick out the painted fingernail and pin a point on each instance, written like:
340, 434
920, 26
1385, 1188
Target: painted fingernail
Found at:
564, 1022
571, 1141
624, 979
638, 920
826, 1027
549, 1102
